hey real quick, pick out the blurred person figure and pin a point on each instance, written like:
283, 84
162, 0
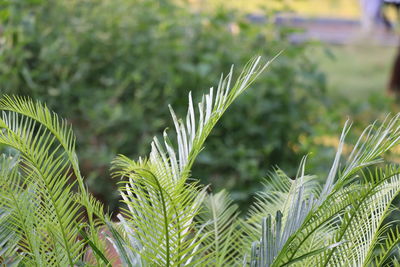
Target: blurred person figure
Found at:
371, 14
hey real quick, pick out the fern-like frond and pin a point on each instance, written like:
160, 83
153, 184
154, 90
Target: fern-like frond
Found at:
395, 263
163, 217
282, 207
360, 224
388, 245
18, 220
47, 189
358, 204
319, 223
161, 203
62, 134
264, 252
47, 146
46, 118
279, 194
368, 150
9, 239
223, 242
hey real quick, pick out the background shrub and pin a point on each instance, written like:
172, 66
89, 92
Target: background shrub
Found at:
110, 66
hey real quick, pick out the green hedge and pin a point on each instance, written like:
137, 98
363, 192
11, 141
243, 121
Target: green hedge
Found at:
111, 66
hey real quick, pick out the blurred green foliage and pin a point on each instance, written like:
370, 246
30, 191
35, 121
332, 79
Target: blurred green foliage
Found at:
111, 67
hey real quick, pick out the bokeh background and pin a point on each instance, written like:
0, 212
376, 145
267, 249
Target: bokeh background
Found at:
111, 67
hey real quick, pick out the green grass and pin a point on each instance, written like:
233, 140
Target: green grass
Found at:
356, 71
356, 77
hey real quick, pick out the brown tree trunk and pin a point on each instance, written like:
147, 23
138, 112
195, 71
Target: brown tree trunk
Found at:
394, 82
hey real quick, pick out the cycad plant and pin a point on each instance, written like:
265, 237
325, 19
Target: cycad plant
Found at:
48, 218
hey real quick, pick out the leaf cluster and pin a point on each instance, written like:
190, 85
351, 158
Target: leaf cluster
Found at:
48, 217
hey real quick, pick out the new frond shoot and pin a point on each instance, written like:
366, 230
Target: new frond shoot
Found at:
161, 203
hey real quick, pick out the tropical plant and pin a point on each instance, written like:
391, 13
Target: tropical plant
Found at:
49, 218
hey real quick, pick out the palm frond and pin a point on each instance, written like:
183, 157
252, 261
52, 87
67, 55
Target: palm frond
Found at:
62, 133
161, 204
41, 129
162, 215
279, 194
348, 213
47, 188
282, 207
395, 263
40, 113
8, 237
369, 148
360, 224
223, 241
19, 221
264, 252
388, 245
347, 196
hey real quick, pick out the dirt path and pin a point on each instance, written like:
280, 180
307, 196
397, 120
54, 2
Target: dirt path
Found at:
336, 31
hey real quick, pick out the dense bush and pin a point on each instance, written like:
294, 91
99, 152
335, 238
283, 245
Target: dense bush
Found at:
109, 66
